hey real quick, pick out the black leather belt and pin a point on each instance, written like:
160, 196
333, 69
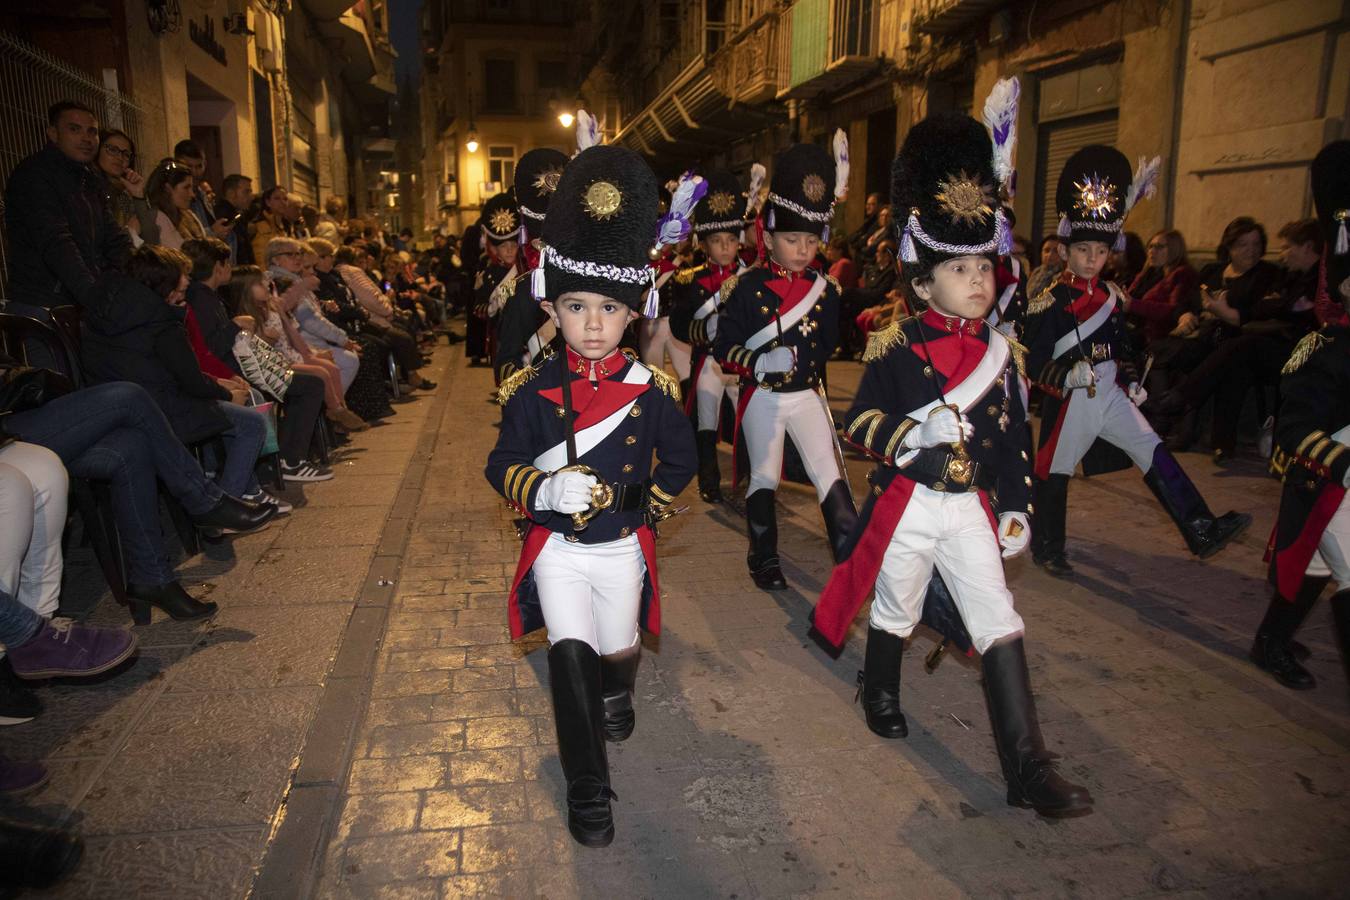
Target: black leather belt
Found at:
932, 468
629, 497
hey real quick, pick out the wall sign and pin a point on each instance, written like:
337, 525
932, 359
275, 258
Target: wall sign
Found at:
204, 36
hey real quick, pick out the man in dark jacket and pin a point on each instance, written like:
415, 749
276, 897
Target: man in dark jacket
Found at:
62, 235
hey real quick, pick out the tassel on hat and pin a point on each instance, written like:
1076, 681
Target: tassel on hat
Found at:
537, 281
653, 304
908, 252
1342, 239
1065, 229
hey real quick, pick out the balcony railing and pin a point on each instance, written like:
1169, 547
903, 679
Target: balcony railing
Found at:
823, 44
950, 16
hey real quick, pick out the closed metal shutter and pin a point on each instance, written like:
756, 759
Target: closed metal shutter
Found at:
1058, 141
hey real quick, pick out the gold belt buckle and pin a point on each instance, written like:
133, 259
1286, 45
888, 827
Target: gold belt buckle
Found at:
959, 470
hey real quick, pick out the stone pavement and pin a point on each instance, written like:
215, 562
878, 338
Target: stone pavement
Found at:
356, 723
174, 767
751, 773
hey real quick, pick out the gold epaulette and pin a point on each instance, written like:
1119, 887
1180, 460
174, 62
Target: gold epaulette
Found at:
879, 343
666, 383
1310, 344
513, 383
1019, 353
687, 274
727, 287
1044, 300
834, 281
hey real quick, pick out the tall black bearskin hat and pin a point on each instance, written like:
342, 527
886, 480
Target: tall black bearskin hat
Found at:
1331, 196
601, 222
1097, 191
722, 208
500, 221
805, 184
944, 194
537, 177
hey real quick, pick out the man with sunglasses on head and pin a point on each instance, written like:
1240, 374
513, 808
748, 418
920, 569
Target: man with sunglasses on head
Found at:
61, 230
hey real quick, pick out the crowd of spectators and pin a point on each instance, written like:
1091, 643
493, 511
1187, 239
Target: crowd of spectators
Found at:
207, 348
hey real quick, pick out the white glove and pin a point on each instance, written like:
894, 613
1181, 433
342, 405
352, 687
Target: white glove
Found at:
1014, 533
776, 361
942, 428
565, 492
1080, 376
1136, 393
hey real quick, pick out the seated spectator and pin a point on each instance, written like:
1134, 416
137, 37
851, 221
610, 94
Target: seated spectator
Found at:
1123, 265
882, 233
124, 185
1051, 264
856, 240
146, 342
369, 394
262, 301
61, 232
331, 224
291, 259
878, 280
841, 263
1159, 293
1256, 353
33, 486
167, 219
382, 320
266, 221
189, 155
236, 193
115, 432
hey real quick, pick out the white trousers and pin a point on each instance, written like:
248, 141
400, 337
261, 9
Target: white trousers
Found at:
952, 533
33, 487
1109, 415
712, 386
591, 592
1333, 550
655, 341
805, 416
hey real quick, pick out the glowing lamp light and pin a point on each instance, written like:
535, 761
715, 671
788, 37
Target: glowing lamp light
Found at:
566, 119
472, 144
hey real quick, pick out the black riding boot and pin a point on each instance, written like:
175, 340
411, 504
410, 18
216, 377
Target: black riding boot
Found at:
618, 674
879, 684
1340, 614
574, 676
709, 475
840, 516
1048, 526
762, 520
1032, 780
1273, 649
1205, 533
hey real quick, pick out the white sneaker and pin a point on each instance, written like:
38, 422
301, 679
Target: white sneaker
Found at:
305, 471
283, 507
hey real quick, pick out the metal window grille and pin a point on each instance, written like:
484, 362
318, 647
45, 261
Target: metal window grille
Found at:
31, 80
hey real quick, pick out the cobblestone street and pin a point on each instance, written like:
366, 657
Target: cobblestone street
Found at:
356, 723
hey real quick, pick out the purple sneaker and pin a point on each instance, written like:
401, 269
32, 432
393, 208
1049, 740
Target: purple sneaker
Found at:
65, 647
21, 777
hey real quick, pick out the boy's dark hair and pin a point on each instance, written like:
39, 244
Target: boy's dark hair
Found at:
1303, 231
188, 150
64, 106
230, 182
205, 254
158, 267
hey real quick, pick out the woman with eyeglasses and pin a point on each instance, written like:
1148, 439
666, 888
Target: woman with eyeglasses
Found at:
166, 217
1158, 294
115, 159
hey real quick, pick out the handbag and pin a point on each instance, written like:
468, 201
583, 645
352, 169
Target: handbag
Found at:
268, 408
22, 388
262, 366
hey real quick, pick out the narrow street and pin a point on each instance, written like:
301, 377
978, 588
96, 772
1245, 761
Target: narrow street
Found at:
355, 722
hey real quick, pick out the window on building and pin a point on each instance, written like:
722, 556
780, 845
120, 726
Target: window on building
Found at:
501, 166
715, 25
499, 85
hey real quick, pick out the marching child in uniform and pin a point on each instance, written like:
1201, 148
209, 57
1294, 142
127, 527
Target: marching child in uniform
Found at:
500, 225
1311, 542
1075, 335
696, 300
577, 438
940, 410
779, 328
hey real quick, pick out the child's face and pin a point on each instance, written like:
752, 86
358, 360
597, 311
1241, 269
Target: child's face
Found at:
591, 324
1086, 258
961, 287
793, 250
506, 251
721, 248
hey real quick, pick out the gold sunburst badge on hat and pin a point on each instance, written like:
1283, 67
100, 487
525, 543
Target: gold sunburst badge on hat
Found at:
721, 203
964, 199
813, 186
1095, 196
602, 200
546, 182
502, 221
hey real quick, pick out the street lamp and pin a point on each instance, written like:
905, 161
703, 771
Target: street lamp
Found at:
566, 119
472, 144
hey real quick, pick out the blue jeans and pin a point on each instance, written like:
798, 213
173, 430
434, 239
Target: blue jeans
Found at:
18, 623
243, 442
115, 432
